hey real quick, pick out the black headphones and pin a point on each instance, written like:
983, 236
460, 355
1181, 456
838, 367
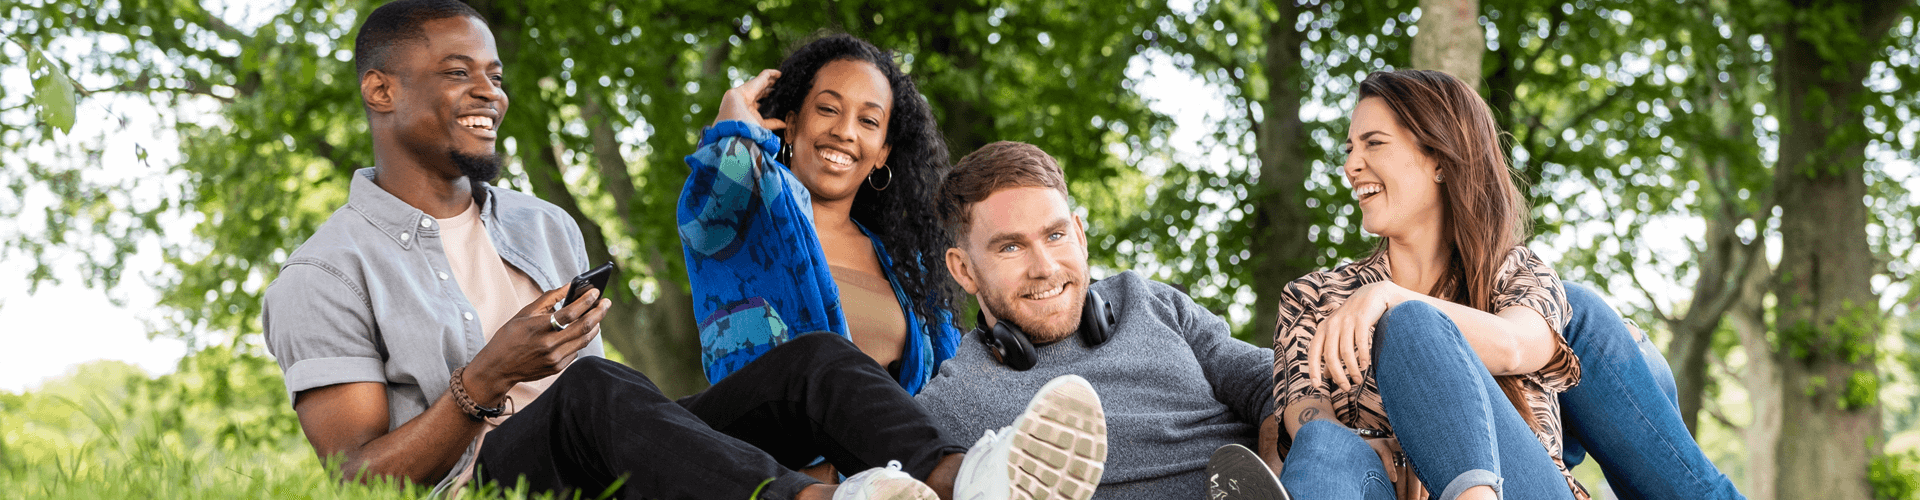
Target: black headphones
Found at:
1011, 347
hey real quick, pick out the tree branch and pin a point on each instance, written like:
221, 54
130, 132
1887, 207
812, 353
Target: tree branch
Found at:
320, 145
1729, 290
543, 172
1718, 416
1721, 363
1589, 112
1651, 301
606, 153
145, 84
220, 27
1554, 19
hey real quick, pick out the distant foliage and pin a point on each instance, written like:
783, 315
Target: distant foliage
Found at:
1896, 476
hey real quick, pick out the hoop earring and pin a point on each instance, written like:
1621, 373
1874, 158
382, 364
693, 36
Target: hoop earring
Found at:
889, 179
785, 155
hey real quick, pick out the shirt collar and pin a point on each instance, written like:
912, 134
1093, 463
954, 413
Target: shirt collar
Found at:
401, 222
1376, 263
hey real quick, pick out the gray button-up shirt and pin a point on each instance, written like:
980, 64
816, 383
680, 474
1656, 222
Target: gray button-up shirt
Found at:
370, 298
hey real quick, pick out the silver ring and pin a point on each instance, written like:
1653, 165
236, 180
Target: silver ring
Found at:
554, 321
1370, 433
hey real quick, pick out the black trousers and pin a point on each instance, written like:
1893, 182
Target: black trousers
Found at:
814, 396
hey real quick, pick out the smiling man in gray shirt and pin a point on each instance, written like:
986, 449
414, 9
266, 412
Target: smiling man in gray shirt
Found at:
1174, 383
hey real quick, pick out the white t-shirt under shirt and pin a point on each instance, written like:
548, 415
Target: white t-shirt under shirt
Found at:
497, 291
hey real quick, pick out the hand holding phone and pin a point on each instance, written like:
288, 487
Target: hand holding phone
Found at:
596, 279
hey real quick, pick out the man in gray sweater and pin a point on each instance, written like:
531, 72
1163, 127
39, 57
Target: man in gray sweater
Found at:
1173, 383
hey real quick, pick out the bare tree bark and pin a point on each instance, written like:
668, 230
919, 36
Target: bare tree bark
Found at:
1280, 218
1723, 264
1450, 39
1827, 316
1748, 317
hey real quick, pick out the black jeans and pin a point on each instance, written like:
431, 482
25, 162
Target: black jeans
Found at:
814, 396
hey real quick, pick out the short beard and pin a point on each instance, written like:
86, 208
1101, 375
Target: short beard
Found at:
477, 168
1036, 333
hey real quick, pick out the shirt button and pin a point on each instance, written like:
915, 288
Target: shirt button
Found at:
467, 315
406, 236
443, 276
426, 222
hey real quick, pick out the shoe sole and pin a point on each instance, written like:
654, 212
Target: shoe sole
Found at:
1060, 443
1236, 473
902, 488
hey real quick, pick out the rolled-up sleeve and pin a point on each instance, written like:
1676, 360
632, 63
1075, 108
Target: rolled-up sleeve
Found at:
320, 329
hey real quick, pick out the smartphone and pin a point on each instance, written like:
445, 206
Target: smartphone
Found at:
596, 278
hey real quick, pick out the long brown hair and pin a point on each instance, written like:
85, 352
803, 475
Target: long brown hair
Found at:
1482, 212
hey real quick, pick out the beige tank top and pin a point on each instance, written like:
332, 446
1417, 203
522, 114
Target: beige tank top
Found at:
874, 318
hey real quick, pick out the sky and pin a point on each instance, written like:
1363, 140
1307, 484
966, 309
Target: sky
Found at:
62, 324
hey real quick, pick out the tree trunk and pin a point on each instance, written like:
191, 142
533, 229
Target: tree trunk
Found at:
1748, 317
662, 340
1723, 262
957, 108
1827, 315
1726, 265
1280, 217
1450, 39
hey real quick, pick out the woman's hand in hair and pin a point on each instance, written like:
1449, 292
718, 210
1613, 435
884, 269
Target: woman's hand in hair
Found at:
743, 102
1340, 346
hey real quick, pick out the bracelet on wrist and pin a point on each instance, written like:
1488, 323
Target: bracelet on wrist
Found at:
471, 409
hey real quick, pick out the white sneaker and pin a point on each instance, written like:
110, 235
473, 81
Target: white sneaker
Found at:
883, 483
1056, 449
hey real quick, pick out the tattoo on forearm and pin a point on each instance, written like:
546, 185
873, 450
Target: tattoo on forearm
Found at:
1309, 414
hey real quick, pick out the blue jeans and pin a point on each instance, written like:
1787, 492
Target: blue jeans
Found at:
1329, 462
1453, 422
1625, 411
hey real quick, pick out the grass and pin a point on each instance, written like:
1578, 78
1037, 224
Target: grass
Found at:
220, 427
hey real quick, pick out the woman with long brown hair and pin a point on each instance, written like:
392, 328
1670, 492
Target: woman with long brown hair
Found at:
1450, 352
1469, 357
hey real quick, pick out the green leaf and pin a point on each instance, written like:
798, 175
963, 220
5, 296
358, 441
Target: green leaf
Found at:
52, 92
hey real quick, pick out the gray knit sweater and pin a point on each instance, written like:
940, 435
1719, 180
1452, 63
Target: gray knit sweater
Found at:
1173, 382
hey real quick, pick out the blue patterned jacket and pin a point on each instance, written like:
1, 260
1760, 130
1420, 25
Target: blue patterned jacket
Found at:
758, 272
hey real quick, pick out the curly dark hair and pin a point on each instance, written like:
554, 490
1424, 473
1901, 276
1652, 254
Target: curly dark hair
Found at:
903, 216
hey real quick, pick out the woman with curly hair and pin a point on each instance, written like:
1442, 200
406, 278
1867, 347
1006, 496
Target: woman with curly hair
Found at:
812, 245
818, 221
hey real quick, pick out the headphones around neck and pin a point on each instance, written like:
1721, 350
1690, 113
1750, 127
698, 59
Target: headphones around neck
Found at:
1011, 347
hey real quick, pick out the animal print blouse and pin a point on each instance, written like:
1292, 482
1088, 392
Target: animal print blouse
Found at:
1523, 281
